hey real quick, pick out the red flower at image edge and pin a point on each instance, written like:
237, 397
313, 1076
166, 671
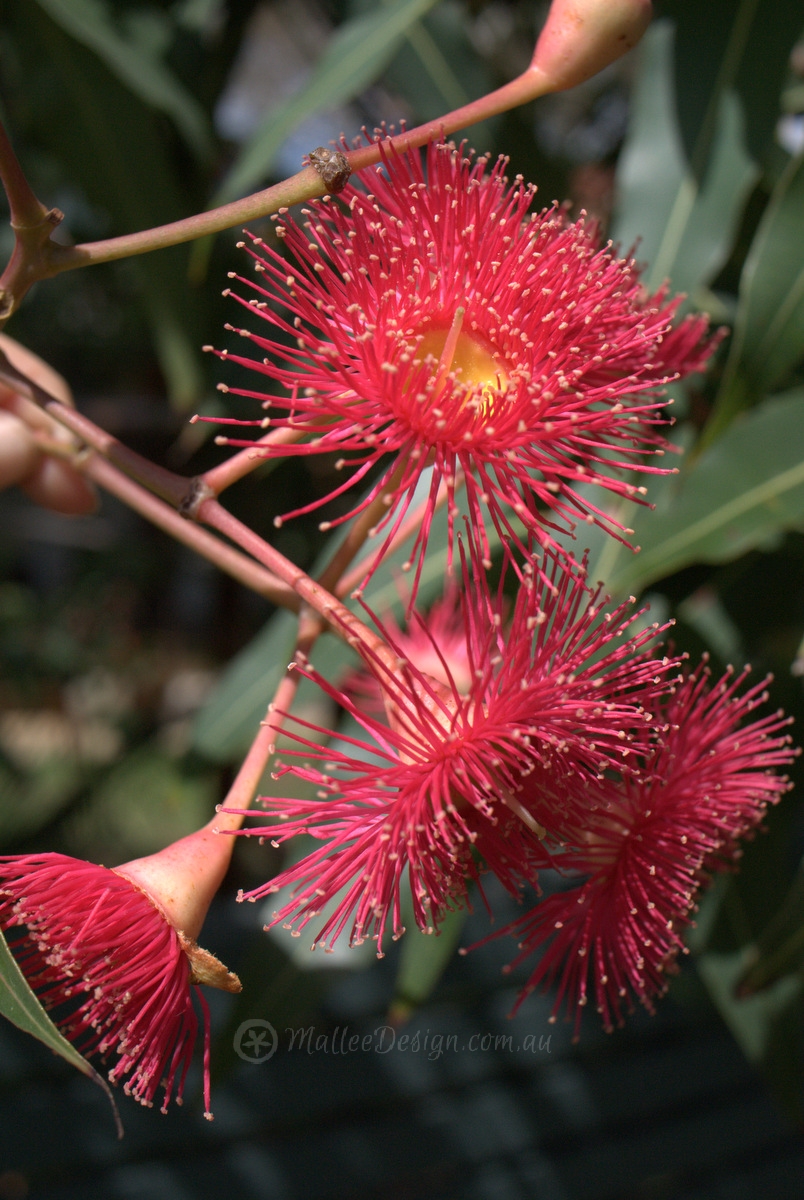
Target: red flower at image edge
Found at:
109, 968
554, 701
648, 847
434, 323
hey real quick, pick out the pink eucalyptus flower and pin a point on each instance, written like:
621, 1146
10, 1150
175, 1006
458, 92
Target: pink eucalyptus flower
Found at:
435, 643
560, 696
435, 323
104, 956
649, 846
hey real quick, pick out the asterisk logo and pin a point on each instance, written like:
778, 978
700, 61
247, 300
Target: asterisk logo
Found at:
255, 1041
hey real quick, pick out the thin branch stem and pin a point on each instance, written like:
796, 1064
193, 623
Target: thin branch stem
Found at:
26, 209
32, 222
122, 471
243, 463
53, 258
240, 796
177, 489
226, 557
338, 617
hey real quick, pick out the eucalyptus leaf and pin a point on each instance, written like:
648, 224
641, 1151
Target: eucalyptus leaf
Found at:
19, 1004
226, 724
108, 141
685, 230
354, 57
745, 490
752, 1019
767, 1026
91, 23
742, 45
437, 69
652, 166
422, 961
769, 332
779, 949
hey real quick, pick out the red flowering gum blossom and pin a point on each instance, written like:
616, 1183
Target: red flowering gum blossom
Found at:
648, 847
111, 969
449, 781
435, 323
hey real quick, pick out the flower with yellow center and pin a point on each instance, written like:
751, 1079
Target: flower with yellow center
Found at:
432, 321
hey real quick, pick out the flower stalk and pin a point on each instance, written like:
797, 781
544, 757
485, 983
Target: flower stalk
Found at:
579, 39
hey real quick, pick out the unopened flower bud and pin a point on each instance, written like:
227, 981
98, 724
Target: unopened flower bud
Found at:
581, 37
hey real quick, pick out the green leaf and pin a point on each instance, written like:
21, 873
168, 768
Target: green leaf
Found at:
744, 491
422, 961
652, 166
354, 57
685, 231
769, 331
108, 141
19, 1004
750, 1019
226, 725
767, 1026
692, 252
437, 69
779, 949
742, 44
90, 22
143, 802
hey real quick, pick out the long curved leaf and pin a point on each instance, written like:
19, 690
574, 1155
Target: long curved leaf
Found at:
769, 332
745, 490
423, 960
353, 59
685, 229
90, 22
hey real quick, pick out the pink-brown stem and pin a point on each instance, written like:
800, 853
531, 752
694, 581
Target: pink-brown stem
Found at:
239, 465
304, 185
337, 616
175, 488
25, 209
241, 794
579, 39
239, 566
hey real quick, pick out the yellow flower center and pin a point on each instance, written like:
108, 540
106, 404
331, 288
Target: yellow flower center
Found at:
468, 357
